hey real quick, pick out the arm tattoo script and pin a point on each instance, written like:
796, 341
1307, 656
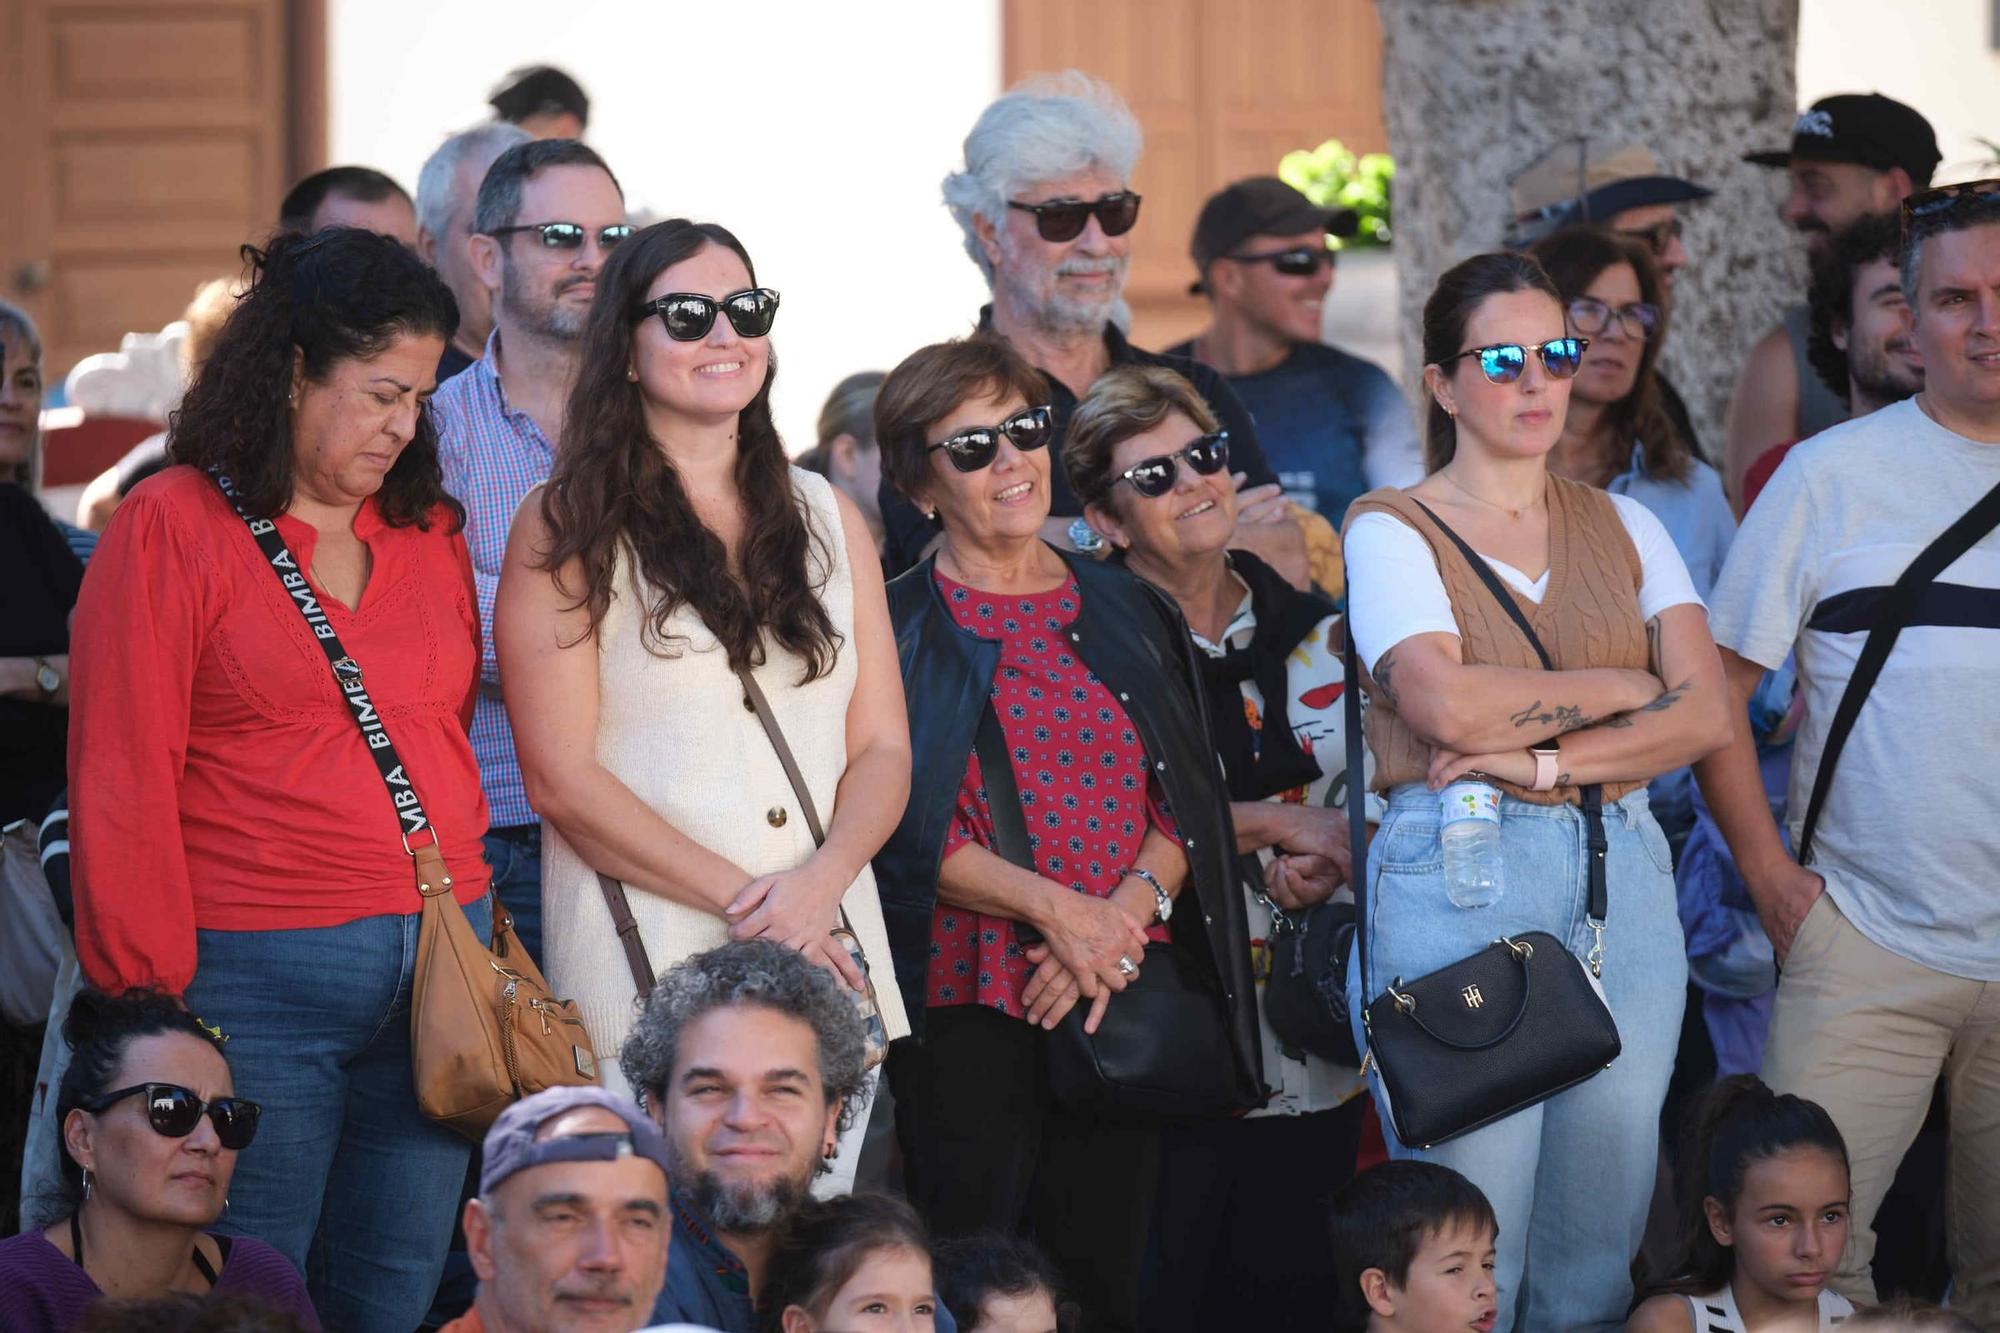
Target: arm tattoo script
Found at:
1385, 667
1656, 645
1660, 705
1562, 717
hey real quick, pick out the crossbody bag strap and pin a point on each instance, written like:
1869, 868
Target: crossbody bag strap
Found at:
1357, 792
415, 826
1596, 846
754, 696
1892, 616
1003, 793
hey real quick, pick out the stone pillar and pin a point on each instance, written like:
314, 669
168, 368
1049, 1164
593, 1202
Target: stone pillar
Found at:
1475, 90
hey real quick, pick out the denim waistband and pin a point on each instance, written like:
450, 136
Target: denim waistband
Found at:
1416, 796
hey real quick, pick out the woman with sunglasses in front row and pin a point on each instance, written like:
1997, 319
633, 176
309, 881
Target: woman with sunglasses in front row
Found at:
1089, 678
673, 546
1458, 688
150, 1129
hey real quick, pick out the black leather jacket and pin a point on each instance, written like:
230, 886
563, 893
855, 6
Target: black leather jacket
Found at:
1133, 637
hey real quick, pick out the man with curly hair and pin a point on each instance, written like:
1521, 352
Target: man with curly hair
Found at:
750, 1059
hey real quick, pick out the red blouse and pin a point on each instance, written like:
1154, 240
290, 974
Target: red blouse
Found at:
217, 779
1086, 791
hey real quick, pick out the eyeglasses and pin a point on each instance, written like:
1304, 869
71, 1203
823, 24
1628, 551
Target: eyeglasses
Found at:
1659, 238
1301, 261
1154, 477
569, 235
971, 450
174, 1111
688, 316
1065, 219
1929, 203
1587, 314
1503, 363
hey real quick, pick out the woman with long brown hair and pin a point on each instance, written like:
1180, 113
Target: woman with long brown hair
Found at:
673, 546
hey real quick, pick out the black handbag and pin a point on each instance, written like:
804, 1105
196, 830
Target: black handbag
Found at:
1162, 1049
1503, 1029
1305, 997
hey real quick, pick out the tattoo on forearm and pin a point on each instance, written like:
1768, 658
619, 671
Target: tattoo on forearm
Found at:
1385, 667
1620, 721
1562, 717
1655, 645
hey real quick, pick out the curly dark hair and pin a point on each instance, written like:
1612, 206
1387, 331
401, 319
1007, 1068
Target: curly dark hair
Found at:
1830, 298
340, 295
614, 488
1573, 258
825, 1246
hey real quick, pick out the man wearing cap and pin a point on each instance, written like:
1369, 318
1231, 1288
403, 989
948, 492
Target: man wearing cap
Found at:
569, 1231
1621, 188
1853, 155
1333, 425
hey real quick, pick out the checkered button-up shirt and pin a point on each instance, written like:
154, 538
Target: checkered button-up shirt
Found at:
493, 455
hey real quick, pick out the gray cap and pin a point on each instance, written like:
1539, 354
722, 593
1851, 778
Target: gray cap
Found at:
511, 1145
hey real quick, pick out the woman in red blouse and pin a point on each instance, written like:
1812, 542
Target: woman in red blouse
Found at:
233, 840
1089, 676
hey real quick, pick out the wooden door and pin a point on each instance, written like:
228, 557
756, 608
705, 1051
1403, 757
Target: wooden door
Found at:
1223, 89
145, 142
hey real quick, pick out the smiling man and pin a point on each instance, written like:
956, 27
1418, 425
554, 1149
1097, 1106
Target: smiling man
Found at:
1887, 931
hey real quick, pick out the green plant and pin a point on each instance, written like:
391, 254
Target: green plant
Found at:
1331, 176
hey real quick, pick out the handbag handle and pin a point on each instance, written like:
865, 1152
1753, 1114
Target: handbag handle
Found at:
1520, 952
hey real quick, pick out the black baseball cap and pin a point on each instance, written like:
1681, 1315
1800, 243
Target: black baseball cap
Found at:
1260, 206
1867, 129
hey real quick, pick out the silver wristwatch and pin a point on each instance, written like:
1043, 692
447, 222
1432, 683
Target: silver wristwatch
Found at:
1084, 537
1163, 906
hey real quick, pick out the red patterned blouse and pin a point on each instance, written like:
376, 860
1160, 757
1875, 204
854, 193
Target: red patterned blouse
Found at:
1086, 792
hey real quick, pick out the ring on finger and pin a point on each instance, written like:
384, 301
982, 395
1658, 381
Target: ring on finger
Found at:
1126, 967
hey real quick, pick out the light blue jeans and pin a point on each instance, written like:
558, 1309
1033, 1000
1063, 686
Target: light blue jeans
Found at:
1570, 1179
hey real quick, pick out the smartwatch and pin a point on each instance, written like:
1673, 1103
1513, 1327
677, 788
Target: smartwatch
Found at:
1548, 764
47, 678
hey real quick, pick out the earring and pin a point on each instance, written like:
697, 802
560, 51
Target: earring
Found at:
632, 374
86, 1182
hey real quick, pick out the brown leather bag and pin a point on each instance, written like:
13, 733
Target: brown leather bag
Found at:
484, 1029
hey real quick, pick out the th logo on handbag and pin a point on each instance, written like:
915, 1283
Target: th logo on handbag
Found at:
1473, 999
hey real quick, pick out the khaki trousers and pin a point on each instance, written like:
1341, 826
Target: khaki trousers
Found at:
1865, 1033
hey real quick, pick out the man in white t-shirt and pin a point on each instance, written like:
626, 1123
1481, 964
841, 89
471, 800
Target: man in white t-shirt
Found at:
1891, 942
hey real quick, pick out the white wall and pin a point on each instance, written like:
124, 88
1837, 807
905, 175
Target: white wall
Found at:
817, 132
1936, 55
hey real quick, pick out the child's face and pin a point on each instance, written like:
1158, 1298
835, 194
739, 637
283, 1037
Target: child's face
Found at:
1789, 1225
1449, 1290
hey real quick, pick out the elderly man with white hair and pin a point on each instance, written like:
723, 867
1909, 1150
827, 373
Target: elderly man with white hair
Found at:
1047, 207
447, 188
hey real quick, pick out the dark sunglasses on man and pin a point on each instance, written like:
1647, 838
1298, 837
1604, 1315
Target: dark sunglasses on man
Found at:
569, 235
1658, 238
1154, 477
1064, 219
174, 1111
976, 447
1300, 261
688, 316
1929, 203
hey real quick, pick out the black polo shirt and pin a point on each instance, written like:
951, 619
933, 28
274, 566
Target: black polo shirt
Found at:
908, 531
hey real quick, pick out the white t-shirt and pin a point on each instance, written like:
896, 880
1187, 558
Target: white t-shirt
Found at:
1907, 843
1394, 589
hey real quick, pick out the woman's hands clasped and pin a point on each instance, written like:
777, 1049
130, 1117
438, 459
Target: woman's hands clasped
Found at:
1084, 941
798, 908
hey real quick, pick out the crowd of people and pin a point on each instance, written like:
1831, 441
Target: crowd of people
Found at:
1063, 763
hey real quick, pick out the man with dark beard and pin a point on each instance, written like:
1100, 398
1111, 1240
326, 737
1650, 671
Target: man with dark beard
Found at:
548, 214
1859, 343
750, 1059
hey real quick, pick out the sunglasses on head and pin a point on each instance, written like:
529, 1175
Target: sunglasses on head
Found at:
688, 316
569, 235
1503, 363
1154, 477
975, 448
1065, 219
1587, 314
1659, 238
1930, 203
173, 1111
1301, 261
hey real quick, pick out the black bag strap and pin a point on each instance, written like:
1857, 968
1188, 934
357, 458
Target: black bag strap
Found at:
1003, 793
1893, 613
346, 674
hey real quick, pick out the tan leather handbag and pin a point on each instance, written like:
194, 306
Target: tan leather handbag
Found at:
484, 1029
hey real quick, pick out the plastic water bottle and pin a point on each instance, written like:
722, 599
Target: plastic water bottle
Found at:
1469, 828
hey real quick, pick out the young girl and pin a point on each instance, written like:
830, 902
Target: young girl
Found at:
1766, 1199
860, 1263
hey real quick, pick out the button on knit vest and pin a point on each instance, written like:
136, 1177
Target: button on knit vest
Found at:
1588, 618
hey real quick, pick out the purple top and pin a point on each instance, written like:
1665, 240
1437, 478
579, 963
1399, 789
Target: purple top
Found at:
42, 1291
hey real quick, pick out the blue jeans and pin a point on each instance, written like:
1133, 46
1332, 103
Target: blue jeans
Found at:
1570, 1179
515, 854
347, 1178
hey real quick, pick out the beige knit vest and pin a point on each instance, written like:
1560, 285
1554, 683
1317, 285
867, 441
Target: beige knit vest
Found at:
1588, 618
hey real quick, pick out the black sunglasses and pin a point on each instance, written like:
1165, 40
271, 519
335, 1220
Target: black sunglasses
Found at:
1301, 261
1659, 238
174, 1112
569, 235
688, 316
1587, 314
1154, 477
976, 448
1503, 363
1925, 203
1065, 219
